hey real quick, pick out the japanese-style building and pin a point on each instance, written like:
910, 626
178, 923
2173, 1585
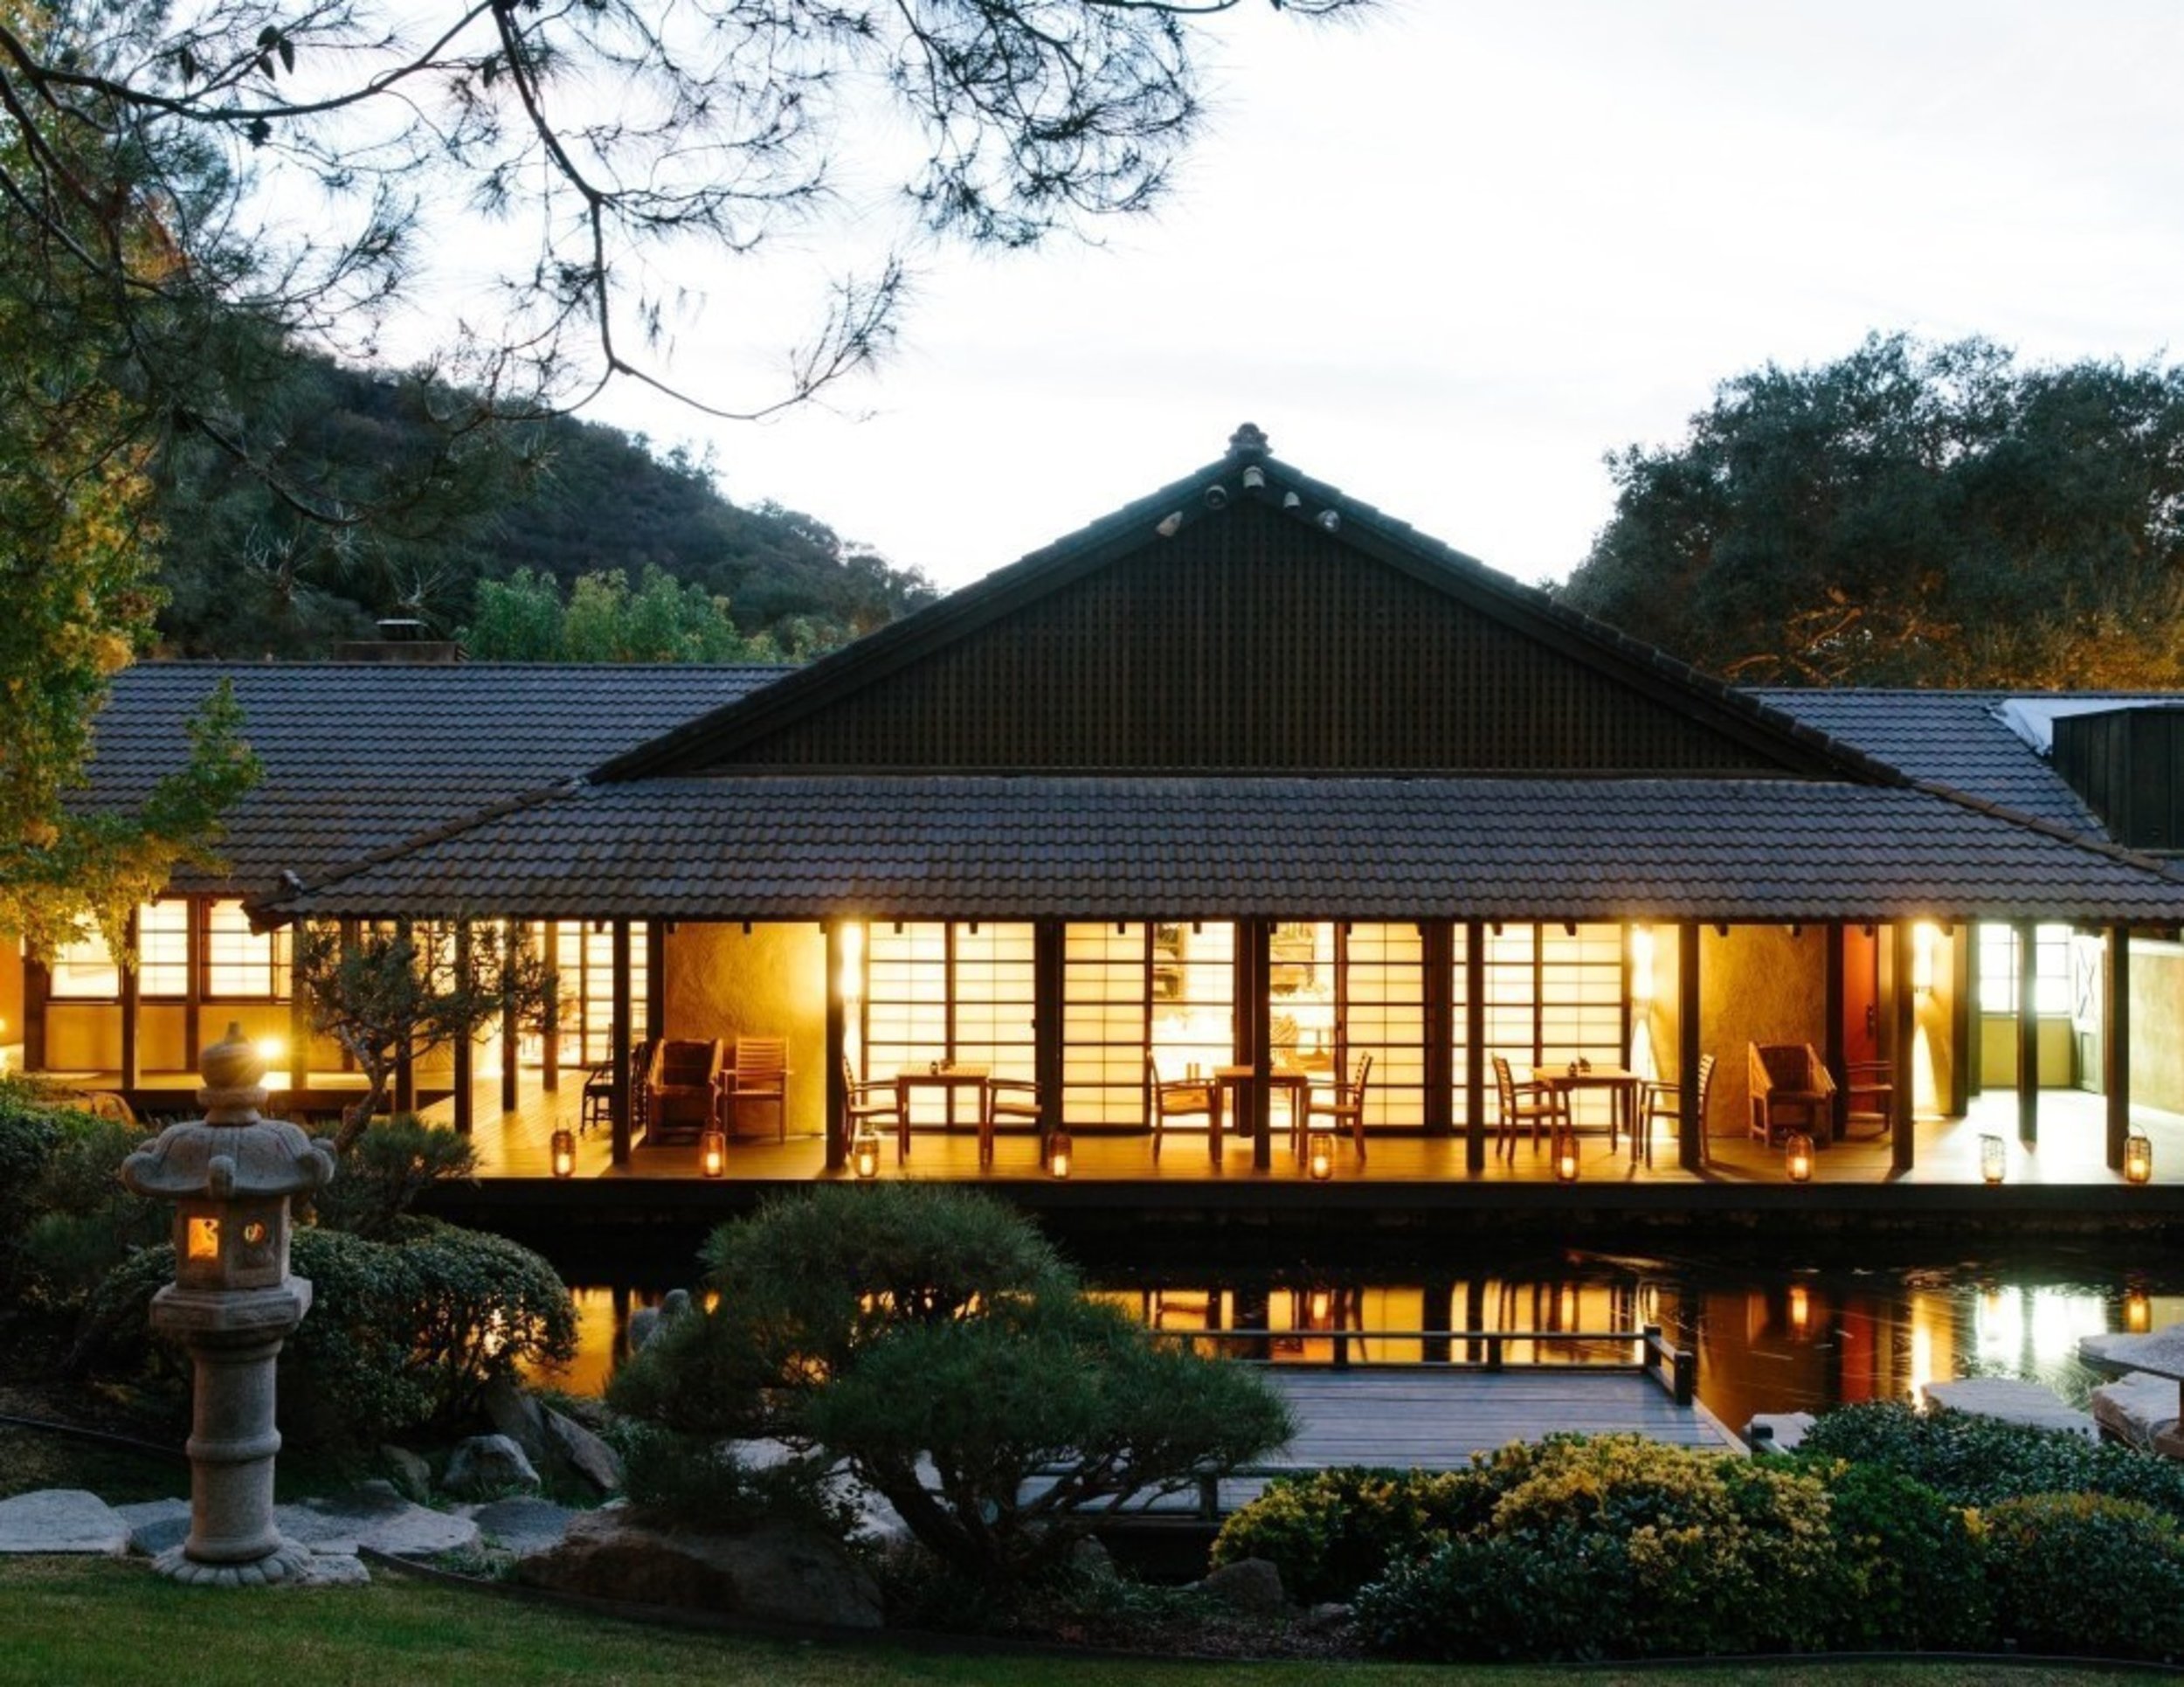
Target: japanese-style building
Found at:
1160, 831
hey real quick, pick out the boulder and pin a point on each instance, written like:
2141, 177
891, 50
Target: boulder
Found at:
411, 1474
330, 1570
486, 1467
372, 1514
514, 1412
1778, 1432
574, 1449
1251, 1586
2137, 1408
780, 1573
61, 1520
156, 1524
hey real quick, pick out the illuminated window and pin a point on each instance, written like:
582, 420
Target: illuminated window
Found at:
1998, 970
950, 992
241, 964
1106, 986
163, 949
85, 971
1554, 996
585, 962
1383, 1011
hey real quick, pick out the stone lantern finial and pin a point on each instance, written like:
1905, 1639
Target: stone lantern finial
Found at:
231, 1069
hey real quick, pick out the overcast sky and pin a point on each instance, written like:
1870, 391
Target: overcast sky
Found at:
1449, 256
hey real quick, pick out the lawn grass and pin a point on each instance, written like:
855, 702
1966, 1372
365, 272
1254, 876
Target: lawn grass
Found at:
98, 1619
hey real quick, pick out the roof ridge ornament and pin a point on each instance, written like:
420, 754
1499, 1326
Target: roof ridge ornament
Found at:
1248, 443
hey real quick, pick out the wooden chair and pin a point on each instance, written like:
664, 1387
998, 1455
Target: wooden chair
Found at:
1179, 1098
678, 1088
869, 1104
1007, 1098
1868, 1097
760, 1073
1665, 1101
1791, 1090
1341, 1104
1535, 1103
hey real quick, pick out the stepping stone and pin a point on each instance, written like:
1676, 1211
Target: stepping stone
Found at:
2138, 1408
372, 1514
522, 1524
156, 1524
61, 1520
2013, 1400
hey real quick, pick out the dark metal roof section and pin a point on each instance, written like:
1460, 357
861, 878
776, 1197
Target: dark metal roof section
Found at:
1247, 619
360, 756
914, 847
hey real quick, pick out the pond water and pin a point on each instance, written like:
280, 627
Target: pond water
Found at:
1768, 1340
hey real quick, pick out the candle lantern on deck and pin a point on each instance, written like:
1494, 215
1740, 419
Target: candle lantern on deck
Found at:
1319, 1155
864, 1155
713, 1151
1797, 1157
1059, 1152
1565, 1154
563, 1148
2137, 1158
1994, 1159
231, 1176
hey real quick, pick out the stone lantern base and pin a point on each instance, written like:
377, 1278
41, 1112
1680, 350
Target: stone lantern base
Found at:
287, 1562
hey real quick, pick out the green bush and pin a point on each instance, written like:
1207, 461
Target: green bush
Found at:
1619, 1545
689, 1480
1910, 1577
400, 1336
1332, 1532
28, 1132
379, 1180
83, 1222
2084, 1573
932, 1339
1976, 1460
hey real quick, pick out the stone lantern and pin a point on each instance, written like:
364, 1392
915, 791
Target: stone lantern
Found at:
232, 1303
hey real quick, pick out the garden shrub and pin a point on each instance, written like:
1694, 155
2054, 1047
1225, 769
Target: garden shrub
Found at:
28, 1132
83, 1222
401, 1336
690, 1480
931, 1339
2086, 1574
1976, 1460
378, 1180
1909, 1575
1332, 1532
1616, 1544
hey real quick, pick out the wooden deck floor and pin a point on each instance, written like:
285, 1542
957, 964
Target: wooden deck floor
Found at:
2070, 1152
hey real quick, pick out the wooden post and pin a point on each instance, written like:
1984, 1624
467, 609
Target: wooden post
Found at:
1832, 1045
299, 1032
193, 976
837, 1092
404, 1057
550, 1029
1475, 1048
1963, 982
37, 990
515, 943
1438, 1058
1049, 952
1257, 1020
2027, 1034
1690, 1129
655, 980
1903, 1004
2116, 1042
620, 1051
132, 1001
465, 1047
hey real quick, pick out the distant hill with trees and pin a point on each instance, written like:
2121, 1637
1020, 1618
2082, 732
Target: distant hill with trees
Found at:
248, 575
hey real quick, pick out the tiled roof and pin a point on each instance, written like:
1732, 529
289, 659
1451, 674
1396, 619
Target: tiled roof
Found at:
941, 847
359, 756
1955, 738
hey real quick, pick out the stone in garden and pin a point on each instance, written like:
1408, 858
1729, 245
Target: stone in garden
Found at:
156, 1524
372, 1514
573, 1448
61, 1520
2012, 1399
512, 1410
486, 1467
522, 1524
1090, 1559
782, 1574
1333, 1613
2137, 1407
1778, 1432
1250, 1587
411, 1473
331, 1570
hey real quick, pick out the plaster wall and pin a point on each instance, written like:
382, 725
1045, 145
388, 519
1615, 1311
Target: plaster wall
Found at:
2157, 1025
719, 981
11, 1008
1757, 984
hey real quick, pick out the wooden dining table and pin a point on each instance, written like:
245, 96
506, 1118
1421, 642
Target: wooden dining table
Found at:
947, 1078
1294, 1079
1624, 1084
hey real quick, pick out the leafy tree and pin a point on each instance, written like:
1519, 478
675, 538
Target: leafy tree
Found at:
1911, 513
78, 576
418, 988
933, 1341
524, 620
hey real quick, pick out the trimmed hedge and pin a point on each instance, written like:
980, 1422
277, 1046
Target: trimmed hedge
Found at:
1332, 1532
2083, 1573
